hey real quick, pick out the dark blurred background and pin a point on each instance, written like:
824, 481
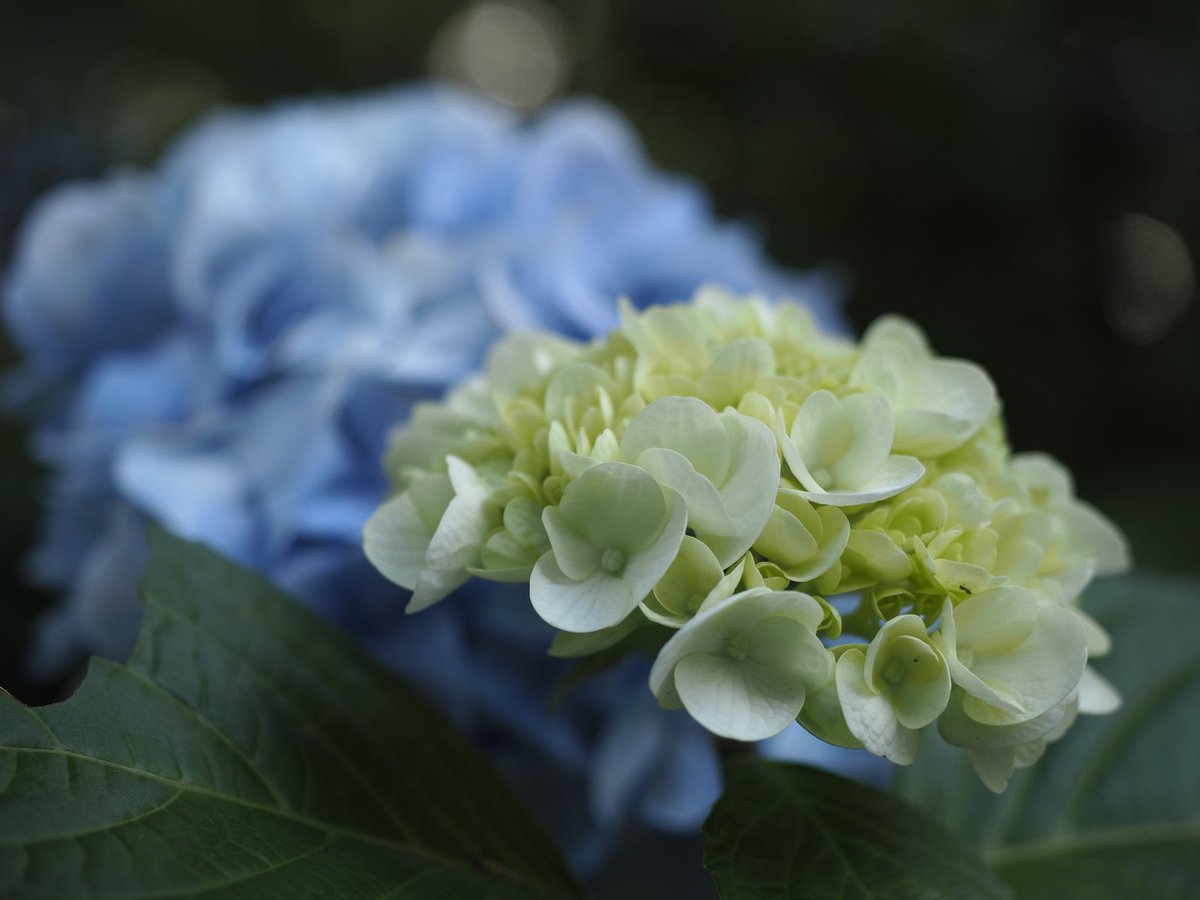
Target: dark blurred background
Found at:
1021, 179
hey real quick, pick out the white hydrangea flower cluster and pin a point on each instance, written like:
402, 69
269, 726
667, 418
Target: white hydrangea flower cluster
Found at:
721, 475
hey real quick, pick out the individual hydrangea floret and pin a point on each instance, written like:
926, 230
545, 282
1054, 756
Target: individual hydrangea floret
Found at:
893, 690
743, 666
613, 536
723, 483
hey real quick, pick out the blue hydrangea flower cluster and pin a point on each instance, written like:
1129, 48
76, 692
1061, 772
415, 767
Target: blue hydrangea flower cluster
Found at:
221, 344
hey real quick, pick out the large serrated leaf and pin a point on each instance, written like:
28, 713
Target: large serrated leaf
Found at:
247, 750
789, 832
1113, 809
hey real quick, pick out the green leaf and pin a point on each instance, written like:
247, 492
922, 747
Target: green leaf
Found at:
247, 750
788, 832
1113, 809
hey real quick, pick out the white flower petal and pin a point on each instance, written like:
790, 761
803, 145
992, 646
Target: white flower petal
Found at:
1091, 533
957, 728
869, 716
706, 509
456, 543
748, 491
786, 643
1099, 643
898, 474
1097, 696
739, 699
645, 568
395, 540
686, 425
1038, 673
735, 371
615, 506
996, 621
956, 398
603, 598
709, 629
821, 431
870, 418
573, 555
994, 767
599, 601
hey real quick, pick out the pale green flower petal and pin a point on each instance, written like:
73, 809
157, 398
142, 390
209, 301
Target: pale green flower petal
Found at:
957, 728
938, 403
1099, 643
722, 590
1097, 696
594, 603
966, 504
869, 716
725, 588
838, 450
898, 330
1092, 534
997, 697
903, 666
996, 621
574, 388
787, 643
686, 425
869, 416
822, 714
735, 370
397, 534
692, 574
874, 554
523, 360
614, 506
898, 474
505, 559
663, 332
458, 540
1048, 482
822, 433
619, 583
802, 540
786, 540
523, 520
748, 491
739, 699
1022, 538
729, 630
575, 555
956, 398
706, 509
1036, 674
994, 767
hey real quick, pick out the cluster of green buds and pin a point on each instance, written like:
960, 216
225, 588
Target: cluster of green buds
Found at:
811, 529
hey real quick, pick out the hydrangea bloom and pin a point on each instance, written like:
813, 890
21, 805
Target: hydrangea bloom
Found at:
223, 343
722, 481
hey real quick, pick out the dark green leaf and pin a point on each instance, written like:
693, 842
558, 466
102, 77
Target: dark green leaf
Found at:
787, 832
1113, 809
247, 750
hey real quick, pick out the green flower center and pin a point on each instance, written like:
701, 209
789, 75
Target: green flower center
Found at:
612, 561
894, 671
738, 645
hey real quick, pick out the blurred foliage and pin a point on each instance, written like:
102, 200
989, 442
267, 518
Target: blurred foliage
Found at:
969, 165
